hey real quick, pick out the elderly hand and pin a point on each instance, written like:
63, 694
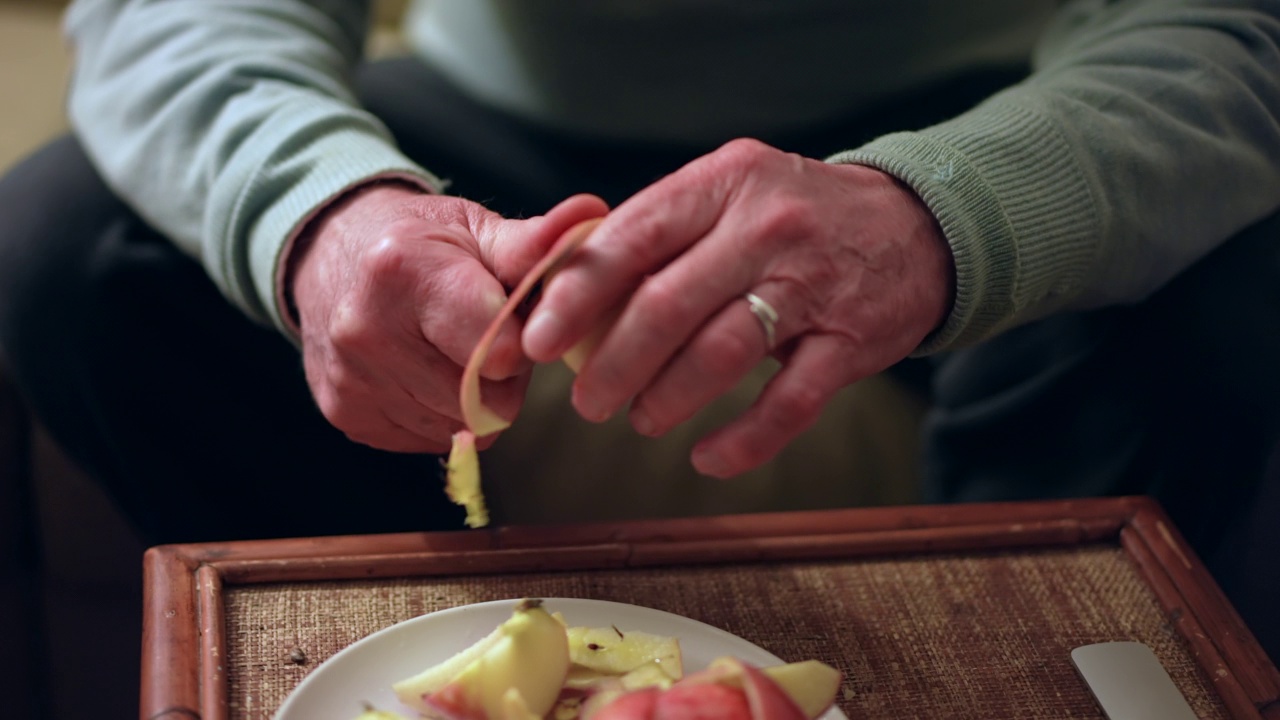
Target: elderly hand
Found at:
852, 261
393, 289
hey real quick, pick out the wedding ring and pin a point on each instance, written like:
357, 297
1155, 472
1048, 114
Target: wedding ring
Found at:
766, 315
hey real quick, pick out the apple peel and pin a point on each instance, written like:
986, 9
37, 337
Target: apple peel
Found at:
806, 691
478, 417
462, 470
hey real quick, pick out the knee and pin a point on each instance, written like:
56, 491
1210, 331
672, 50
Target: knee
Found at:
54, 205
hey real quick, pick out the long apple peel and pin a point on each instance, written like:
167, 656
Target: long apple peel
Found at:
462, 470
479, 419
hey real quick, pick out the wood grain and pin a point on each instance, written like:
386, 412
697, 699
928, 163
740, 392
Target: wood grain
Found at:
183, 638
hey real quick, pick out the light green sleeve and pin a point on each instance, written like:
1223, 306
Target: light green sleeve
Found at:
1147, 134
227, 123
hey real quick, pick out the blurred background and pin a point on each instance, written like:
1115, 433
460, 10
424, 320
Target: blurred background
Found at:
70, 569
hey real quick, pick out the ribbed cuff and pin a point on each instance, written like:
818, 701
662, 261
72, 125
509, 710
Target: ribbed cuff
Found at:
284, 309
1015, 209
334, 163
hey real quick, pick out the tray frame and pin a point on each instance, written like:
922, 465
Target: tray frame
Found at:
183, 676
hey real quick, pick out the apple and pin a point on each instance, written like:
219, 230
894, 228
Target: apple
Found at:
811, 684
728, 689
515, 673
702, 702
610, 651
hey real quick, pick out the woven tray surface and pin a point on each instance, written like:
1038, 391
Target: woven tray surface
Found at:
936, 636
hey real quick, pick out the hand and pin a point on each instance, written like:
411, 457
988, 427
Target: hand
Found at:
853, 262
393, 289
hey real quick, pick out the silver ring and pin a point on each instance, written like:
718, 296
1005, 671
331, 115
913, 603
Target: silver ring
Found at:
766, 315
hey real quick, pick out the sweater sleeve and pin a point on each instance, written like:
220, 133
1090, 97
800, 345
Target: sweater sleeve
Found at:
1147, 133
227, 124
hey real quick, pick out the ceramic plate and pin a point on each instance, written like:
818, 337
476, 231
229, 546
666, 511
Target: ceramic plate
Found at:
364, 671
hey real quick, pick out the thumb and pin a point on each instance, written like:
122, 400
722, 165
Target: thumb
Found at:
513, 247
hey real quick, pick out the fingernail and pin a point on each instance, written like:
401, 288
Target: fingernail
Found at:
542, 335
643, 423
709, 463
588, 408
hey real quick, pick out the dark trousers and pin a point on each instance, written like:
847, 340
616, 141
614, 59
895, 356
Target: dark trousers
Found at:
198, 421
1177, 397
201, 425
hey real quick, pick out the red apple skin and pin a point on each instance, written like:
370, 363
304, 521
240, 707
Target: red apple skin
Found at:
702, 702
729, 691
635, 705
452, 703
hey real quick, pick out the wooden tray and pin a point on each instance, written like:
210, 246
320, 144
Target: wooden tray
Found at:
930, 611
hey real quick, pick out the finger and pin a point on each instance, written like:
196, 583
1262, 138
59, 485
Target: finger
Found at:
394, 437
791, 402
664, 314
421, 389
353, 401
634, 241
503, 397
360, 401
509, 248
722, 353
461, 299
512, 247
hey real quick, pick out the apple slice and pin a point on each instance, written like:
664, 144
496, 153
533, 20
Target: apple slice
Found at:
811, 684
724, 691
610, 651
703, 702
514, 673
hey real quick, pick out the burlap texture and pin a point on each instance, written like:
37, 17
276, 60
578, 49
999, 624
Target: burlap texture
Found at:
954, 636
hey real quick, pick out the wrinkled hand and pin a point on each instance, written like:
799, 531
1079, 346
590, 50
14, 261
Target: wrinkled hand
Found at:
853, 262
394, 288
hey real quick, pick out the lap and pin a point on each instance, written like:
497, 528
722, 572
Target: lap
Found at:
146, 374
196, 420
1176, 397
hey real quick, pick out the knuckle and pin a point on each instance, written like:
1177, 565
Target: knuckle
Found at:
385, 258
734, 158
795, 407
726, 354
747, 151
665, 306
349, 326
788, 217
636, 248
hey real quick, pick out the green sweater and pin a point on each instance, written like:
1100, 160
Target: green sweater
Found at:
1147, 134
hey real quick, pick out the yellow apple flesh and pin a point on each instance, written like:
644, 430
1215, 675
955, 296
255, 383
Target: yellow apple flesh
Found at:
518, 676
811, 684
462, 479
611, 652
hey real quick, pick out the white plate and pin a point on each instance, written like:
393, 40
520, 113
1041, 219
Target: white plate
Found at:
364, 671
